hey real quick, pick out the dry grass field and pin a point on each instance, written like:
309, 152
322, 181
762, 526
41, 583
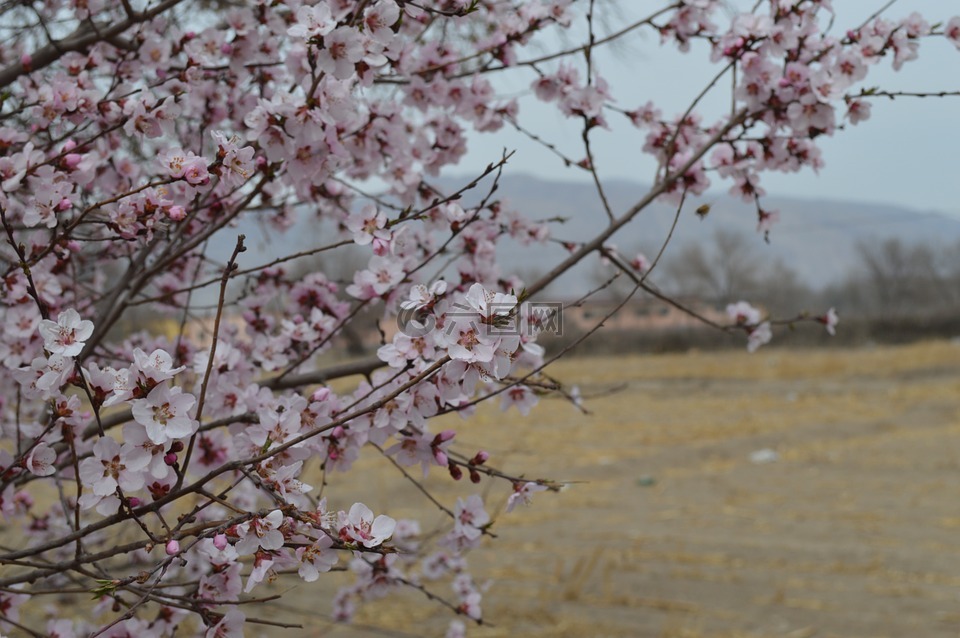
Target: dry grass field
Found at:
670, 530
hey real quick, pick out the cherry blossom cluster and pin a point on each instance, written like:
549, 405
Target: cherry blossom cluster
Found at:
173, 420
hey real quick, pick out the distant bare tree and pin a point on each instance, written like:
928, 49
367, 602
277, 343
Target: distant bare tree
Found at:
906, 279
728, 267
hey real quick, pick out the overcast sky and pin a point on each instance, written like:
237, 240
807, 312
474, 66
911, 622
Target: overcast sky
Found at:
907, 153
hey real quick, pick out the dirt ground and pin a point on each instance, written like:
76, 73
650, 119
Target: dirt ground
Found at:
670, 529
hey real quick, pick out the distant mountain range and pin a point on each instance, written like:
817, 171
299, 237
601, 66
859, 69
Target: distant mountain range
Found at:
816, 238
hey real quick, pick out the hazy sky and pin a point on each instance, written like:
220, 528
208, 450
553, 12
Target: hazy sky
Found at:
905, 154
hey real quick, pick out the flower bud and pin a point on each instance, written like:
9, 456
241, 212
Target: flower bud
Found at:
455, 472
474, 476
173, 548
444, 436
170, 458
220, 541
480, 458
71, 160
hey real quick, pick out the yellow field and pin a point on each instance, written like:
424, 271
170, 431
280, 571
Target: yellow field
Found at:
670, 530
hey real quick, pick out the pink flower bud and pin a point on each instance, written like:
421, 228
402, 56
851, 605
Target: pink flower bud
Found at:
176, 213
455, 472
480, 458
338, 432
71, 160
69, 145
173, 548
441, 457
24, 499
321, 394
170, 458
220, 541
26, 61
444, 436
226, 48
133, 501
380, 246
64, 204
474, 476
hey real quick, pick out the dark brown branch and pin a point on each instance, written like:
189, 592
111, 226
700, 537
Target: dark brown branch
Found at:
82, 38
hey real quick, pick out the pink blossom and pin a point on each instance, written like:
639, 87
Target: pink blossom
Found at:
421, 296
367, 224
165, 413
260, 533
742, 313
361, 527
758, 336
858, 111
766, 219
379, 20
45, 375
67, 335
155, 367
316, 558
468, 340
470, 518
237, 163
343, 48
313, 21
41, 460
952, 31
456, 629
113, 465
225, 582
520, 397
381, 276
830, 321
523, 493
230, 626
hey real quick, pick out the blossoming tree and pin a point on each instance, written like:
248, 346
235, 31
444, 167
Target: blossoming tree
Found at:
167, 474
